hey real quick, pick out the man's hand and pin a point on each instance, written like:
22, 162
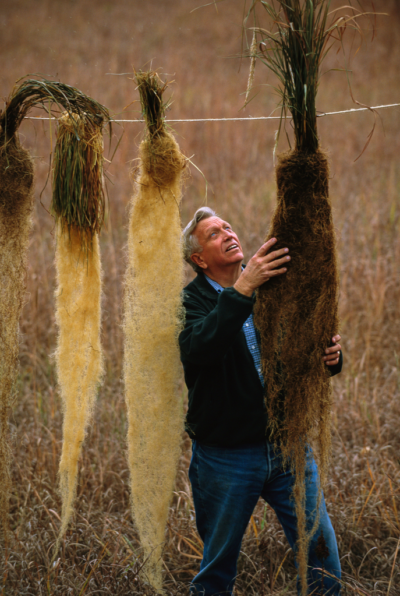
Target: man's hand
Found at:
261, 267
332, 354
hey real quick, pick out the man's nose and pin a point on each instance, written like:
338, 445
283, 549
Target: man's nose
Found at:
229, 234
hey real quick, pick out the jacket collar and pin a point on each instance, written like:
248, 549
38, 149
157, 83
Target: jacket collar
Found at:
205, 287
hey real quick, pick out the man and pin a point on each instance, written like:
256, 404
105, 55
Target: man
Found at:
233, 463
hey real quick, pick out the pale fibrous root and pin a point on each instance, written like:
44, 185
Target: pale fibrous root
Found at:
79, 356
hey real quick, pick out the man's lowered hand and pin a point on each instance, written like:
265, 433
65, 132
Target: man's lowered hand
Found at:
332, 354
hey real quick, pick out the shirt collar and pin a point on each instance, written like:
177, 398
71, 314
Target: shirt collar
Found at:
215, 284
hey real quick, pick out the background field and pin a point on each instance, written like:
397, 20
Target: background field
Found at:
81, 41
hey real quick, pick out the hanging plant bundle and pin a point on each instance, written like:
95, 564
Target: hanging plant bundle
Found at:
16, 204
298, 389
78, 207
152, 323
304, 302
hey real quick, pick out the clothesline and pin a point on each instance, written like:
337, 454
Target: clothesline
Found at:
392, 105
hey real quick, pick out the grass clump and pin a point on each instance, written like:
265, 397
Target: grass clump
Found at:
51, 96
78, 193
300, 36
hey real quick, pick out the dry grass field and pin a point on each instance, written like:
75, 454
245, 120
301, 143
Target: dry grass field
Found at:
81, 42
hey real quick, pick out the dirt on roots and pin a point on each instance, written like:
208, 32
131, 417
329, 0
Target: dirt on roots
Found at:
16, 202
305, 306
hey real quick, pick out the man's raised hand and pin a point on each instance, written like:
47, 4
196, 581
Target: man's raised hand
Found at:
261, 267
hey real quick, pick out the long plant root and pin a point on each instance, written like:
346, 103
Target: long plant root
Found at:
304, 306
79, 356
16, 204
152, 323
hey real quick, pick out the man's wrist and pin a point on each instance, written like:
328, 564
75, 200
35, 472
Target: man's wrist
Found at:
243, 288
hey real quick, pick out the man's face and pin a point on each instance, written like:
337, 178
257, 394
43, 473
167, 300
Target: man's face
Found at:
221, 246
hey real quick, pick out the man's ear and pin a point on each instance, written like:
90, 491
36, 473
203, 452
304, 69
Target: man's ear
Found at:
197, 260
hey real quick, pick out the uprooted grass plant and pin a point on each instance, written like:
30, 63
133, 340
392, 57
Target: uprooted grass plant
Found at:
304, 302
153, 314
78, 206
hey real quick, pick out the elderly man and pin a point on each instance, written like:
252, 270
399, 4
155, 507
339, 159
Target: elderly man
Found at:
233, 462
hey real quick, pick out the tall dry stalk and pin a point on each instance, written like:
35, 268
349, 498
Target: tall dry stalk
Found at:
78, 205
153, 314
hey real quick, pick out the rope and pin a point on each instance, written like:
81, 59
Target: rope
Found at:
392, 105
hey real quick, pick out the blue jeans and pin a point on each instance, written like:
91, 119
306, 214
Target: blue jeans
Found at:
226, 485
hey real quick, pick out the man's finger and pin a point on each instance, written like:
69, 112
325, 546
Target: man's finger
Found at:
332, 362
336, 338
278, 262
274, 272
332, 349
263, 249
272, 256
331, 356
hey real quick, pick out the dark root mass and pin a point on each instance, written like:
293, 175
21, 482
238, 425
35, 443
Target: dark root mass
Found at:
16, 180
16, 202
305, 318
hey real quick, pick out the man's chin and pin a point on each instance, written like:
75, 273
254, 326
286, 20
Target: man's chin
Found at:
236, 258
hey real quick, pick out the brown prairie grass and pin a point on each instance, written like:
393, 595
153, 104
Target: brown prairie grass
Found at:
101, 553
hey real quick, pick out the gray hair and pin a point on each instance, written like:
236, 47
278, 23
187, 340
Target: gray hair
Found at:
190, 244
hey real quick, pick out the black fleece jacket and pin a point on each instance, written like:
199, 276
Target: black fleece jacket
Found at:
226, 398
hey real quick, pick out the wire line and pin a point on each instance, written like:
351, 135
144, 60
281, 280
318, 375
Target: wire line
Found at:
321, 115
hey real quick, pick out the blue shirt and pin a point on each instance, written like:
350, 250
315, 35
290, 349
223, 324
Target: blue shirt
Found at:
249, 333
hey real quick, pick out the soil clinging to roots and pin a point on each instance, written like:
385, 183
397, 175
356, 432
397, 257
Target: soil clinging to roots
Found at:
16, 204
304, 302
